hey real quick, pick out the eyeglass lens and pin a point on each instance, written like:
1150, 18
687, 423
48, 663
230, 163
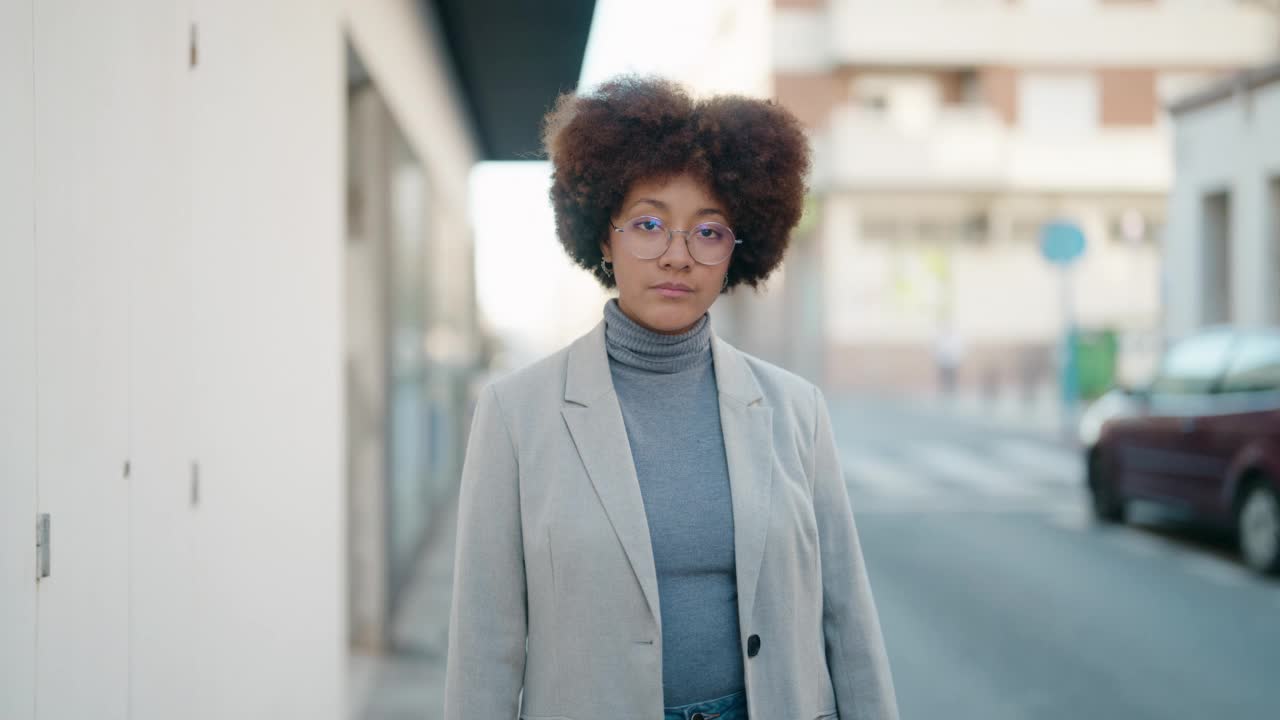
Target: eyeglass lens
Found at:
647, 238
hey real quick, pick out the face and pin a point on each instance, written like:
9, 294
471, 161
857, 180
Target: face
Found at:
667, 294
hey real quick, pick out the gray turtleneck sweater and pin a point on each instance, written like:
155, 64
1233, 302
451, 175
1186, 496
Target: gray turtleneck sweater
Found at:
666, 386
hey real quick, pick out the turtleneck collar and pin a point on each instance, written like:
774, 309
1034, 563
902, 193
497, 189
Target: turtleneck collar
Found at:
638, 347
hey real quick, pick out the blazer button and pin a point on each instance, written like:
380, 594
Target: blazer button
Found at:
753, 645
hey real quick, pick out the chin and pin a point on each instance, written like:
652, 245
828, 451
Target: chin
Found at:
670, 319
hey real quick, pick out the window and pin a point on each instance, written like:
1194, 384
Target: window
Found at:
976, 228
1215, 253
1255, 366
1058, 102
1194, 365
1132, 227
909, 100
1272, 248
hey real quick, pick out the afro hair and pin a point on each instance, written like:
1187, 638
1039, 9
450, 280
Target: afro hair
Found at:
752, 155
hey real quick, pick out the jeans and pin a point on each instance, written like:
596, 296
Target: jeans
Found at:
729, 707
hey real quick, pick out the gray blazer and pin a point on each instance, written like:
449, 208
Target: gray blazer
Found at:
555, 591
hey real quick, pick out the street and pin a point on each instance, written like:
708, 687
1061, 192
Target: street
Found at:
1001, 598
998, 595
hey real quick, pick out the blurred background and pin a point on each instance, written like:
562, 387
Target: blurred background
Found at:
257, 258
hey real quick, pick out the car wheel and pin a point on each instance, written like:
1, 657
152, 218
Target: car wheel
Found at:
1108, 505
1258, 527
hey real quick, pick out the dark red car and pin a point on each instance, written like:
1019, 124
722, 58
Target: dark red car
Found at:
1203, 437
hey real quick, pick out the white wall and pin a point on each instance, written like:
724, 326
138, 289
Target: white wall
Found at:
1204, 33
17, 367
171, 296
267, 241
1213, 33
189, 223
1232, 145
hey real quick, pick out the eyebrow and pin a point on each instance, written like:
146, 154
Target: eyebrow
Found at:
663, 206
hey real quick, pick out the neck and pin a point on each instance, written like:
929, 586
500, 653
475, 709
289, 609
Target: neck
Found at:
636, 346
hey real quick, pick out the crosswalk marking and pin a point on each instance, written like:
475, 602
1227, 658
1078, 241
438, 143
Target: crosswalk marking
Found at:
1006, 476
1041, 461
870, 470
951, 463
944, 475
954, 475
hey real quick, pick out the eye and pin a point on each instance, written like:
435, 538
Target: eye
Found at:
709, 232
647, 225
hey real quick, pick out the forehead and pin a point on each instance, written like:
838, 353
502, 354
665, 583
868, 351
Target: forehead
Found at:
676, 192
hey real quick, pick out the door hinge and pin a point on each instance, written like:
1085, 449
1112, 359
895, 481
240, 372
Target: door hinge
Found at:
43, 552
195, 484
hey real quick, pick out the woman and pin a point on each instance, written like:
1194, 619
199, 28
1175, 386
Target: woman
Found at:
652, 523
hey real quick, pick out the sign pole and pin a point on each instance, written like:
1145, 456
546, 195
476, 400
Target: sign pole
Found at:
1062, 243
1068, 377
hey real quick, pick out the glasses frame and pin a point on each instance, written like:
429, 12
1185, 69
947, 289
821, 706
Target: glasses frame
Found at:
671, 237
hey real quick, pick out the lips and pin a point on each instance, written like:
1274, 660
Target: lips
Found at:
673, 289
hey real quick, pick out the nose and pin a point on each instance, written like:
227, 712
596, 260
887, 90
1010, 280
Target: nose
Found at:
677, 254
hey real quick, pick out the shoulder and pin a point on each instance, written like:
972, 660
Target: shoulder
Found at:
539, 381
782, 389
778, 381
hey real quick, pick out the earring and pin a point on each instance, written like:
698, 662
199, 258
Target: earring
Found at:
725, 285
607, 267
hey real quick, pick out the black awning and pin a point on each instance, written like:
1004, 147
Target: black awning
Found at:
511, 58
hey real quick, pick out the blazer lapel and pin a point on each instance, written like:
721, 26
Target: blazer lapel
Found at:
595, 422
594, 419
747, 425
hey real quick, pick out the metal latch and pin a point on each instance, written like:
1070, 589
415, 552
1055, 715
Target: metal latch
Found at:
43, 553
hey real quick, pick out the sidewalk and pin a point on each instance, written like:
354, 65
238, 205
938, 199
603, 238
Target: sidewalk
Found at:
408, 682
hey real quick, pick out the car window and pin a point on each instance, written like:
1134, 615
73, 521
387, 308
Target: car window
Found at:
1255, 365
1194, 365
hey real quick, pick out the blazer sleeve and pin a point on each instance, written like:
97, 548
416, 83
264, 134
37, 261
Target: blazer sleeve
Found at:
855, 649
485, 668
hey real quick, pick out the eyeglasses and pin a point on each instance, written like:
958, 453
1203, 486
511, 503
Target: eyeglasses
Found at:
647, 237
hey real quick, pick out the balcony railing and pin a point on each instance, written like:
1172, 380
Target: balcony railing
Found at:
976, 32
970, 148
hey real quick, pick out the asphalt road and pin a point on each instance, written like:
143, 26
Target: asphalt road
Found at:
1000, 597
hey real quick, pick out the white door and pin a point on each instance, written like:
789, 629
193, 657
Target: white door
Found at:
17, 369
164, 506
112, 242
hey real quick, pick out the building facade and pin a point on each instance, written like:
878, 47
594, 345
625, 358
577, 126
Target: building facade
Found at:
238, 302
947, 132
1222, 253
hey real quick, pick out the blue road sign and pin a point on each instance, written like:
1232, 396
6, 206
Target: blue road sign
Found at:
1061, 242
